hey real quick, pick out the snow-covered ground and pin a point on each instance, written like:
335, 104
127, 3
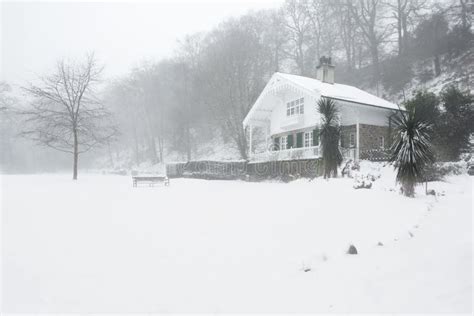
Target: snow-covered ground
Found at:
99, 245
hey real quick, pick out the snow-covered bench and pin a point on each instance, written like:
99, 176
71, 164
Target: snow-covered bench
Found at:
151, 180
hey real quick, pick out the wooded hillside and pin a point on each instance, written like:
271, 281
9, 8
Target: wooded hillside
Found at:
199, 96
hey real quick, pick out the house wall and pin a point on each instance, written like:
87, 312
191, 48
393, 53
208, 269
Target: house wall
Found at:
350, 113
309, 119
353, 113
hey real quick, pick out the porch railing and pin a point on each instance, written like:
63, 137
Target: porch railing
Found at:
298, 153
348, 153
287, 154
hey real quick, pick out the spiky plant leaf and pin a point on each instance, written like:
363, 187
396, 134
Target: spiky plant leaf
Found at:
411, 149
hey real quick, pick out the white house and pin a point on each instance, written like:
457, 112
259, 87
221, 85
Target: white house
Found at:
286, 114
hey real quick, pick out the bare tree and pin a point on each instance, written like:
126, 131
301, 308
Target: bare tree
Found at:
238, 65
323, 26
188, 109
121, 98
301, 33
347, 31
367, 14
403, 12
146, 95
275, 36
466, 12
65, 113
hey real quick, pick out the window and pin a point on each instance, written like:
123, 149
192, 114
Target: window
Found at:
308, 139
352, 140
381, 142
283, 142
295, 107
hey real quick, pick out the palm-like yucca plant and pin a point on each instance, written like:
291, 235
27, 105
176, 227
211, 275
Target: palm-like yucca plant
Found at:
411, 149
330, 133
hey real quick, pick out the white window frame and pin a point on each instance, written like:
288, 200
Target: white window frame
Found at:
352, 140
283, 142
382, 142
295, 107
308, 139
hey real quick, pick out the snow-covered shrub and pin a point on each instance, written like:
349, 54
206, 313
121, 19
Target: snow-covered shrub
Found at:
350, 168
305, 267
362, 183
365, 181
437, 171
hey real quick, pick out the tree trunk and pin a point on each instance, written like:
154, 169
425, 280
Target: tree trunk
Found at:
111, 157
376, 66
405, 36
242, 144
152, 150
399, 30
137, 150
464, 14
437, 65
160, 148
76, 156
188, 143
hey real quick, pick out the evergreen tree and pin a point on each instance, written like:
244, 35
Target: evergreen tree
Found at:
430, 39
426, 104
456, 123
411, 149
330, 133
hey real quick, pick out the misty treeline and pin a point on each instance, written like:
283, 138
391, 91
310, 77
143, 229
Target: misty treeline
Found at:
204, 91
199, 96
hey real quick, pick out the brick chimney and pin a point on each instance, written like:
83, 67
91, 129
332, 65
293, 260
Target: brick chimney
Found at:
325, 70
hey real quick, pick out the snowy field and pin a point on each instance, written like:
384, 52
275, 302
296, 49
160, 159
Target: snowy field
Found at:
99, 245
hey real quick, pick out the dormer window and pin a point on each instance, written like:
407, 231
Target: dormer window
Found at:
295, 107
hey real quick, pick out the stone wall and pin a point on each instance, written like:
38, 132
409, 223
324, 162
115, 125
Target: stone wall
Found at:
284, 170
346, 131
370, 136
369, 140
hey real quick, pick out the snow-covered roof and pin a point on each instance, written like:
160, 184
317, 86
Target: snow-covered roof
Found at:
342, 92
339, 91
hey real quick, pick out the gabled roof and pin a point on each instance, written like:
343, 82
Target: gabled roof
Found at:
342, 92
339, 91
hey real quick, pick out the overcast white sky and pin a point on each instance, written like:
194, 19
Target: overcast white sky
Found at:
122, 34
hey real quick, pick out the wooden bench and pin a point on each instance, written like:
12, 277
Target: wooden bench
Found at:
151, 180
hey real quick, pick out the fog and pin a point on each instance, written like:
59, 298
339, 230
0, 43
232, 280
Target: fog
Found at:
36, 34
174, 80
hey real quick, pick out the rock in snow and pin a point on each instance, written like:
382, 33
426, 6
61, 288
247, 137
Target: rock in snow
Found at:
352, 250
